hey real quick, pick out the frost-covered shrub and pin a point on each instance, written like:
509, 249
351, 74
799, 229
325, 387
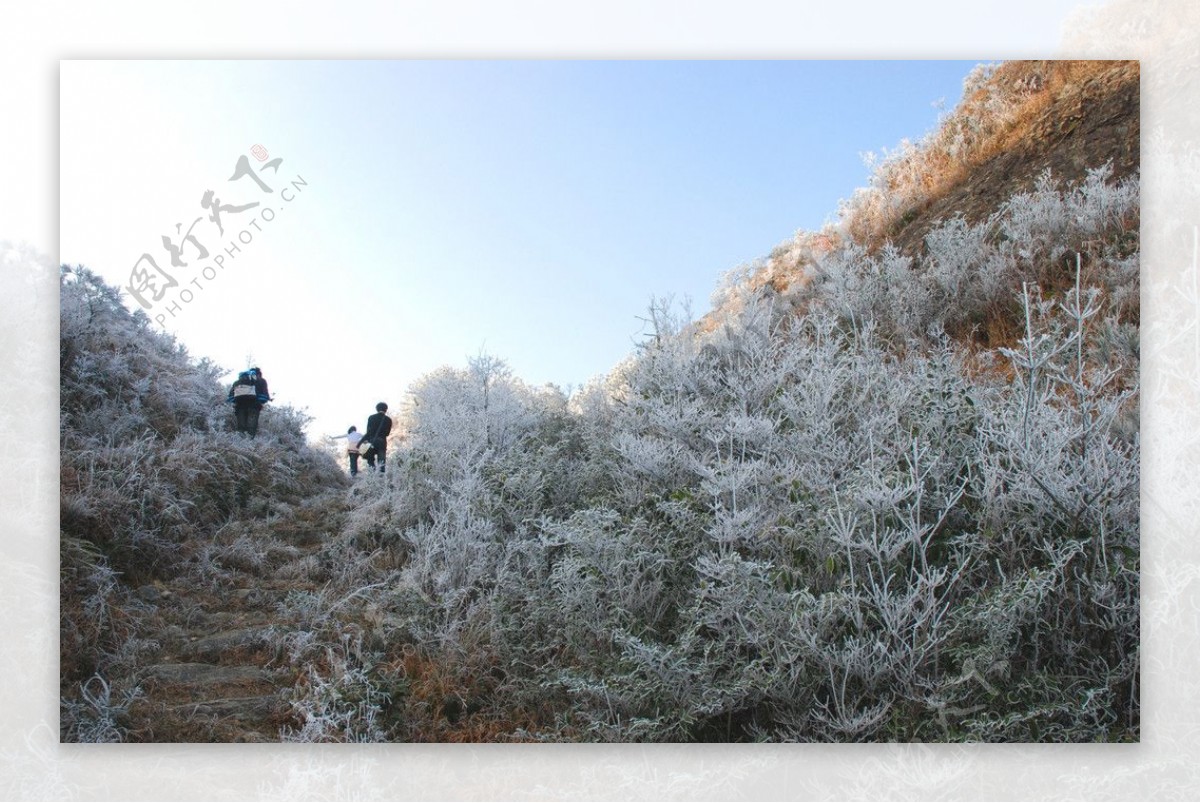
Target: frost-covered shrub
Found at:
97, 619
340, 699
1001, 104
97, 712
802, 532
965, 281
862, 522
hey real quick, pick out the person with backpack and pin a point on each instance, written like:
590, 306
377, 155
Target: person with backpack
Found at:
248, 394
353, 439
373, 445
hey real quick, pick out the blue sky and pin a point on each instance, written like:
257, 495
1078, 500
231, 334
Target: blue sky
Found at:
529, 209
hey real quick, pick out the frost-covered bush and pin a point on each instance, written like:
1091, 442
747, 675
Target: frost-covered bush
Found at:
793, 529
97, 712
967, 279
340, 699
1001, 104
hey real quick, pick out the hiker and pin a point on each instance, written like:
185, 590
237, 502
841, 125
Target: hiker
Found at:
248, 395
374, 442
353, 438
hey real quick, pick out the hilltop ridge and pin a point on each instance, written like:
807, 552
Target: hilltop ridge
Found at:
1017, 121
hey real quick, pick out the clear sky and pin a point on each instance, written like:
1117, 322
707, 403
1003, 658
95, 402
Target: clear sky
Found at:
424, 211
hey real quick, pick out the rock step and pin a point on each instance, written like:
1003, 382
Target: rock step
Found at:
254, 708
202, 702
203, 675
210, 649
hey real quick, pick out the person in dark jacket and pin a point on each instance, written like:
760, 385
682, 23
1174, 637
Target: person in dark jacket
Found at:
248, 395
374, 443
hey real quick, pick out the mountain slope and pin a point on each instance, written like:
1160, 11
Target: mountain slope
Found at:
1016, 122
886, 491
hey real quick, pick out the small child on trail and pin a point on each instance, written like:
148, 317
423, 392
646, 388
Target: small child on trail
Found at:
353, 438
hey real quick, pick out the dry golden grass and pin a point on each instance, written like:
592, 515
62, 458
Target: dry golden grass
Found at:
459, 700
1016, 106
1013, 120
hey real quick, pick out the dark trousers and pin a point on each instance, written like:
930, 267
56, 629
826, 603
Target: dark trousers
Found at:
353, 463
247, 418
379, 454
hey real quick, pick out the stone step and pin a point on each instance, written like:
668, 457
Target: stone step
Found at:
202, 676
210, 649
254, 708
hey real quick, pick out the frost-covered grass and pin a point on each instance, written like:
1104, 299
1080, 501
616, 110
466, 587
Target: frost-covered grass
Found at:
96, 713
1000, 107
340, 699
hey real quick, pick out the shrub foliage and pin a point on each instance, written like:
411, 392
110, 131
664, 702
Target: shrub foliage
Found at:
839, 525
